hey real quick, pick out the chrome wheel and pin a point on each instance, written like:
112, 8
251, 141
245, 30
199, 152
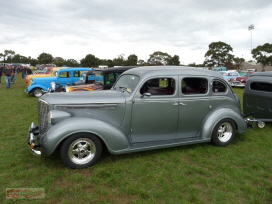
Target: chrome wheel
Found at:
82, 151
224, 132
37, 92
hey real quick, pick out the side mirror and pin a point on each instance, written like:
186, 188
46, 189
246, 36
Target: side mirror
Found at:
146, 94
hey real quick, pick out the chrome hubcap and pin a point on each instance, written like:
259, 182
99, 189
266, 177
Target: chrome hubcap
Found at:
224, 132
82, 151
38, 93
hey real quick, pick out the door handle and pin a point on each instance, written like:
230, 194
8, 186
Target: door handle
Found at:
183, 104
175, 104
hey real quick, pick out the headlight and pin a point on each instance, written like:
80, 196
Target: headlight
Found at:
56, 116
53, 86
67, 89
49, 117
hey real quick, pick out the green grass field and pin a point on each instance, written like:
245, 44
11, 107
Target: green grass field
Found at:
201, 173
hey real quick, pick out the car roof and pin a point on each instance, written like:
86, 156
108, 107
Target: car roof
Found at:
266, 74
74, 68
114, 69
171, 70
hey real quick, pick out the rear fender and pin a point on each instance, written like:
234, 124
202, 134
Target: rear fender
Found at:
219, 114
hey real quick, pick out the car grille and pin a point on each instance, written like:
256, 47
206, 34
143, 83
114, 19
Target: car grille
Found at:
43, 110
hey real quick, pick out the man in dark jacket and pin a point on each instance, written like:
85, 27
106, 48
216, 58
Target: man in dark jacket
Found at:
8, 74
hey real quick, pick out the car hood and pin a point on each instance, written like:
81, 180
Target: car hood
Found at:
86, 97
106, 106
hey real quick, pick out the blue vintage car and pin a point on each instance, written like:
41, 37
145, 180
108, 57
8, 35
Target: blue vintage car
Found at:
39, 86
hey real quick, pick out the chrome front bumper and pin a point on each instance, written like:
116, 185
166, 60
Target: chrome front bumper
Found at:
32, 139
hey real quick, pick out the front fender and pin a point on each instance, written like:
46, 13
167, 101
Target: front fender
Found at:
32, 87
219, 114
112, 135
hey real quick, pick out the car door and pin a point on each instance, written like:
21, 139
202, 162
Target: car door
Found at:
155, 110
194, 105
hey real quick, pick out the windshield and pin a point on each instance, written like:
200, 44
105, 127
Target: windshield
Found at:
127, 83
82, 77
244, 74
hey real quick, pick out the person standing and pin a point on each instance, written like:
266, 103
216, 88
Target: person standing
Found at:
23, 70
8, 74
1, 73
13, 76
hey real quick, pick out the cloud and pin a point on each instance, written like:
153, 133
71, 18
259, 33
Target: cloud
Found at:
105, 28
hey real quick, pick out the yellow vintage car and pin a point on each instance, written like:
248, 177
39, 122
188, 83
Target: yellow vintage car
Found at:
51, 74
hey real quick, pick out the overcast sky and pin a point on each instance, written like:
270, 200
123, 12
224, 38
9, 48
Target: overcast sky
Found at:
71, 29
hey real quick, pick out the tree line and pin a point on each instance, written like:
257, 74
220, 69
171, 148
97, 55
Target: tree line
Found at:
90, 60
218, 54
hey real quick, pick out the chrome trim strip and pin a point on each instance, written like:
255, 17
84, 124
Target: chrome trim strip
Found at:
93, 106
86, 104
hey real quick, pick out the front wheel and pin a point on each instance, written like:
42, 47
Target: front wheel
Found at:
223, 133
37, 92
81, 151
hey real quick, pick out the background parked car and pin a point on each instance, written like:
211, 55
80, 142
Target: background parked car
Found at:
103, 80
241, 80
257, 99
38, 86
45, 70
51, 74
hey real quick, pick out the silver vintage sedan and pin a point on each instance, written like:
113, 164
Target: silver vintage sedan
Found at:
147, 108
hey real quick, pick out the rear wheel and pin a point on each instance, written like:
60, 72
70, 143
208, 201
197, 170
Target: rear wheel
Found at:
223, 133
37, 92
81, 151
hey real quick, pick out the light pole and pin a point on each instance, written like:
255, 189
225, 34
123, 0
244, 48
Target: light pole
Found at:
251, 27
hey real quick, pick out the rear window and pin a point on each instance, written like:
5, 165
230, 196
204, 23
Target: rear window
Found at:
218, 87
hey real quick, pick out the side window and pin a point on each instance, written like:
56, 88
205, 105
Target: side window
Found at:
193, 85
109, 78
77, 73
64, 75
218, 87
261, 86
159, 86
